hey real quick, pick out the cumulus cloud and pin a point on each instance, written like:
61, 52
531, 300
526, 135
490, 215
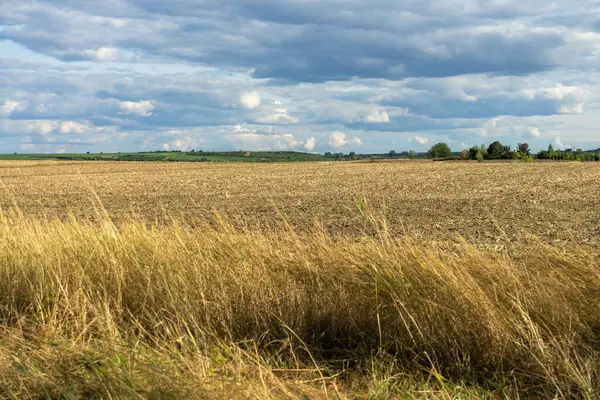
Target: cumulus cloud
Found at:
339, 139
280, 116
378, 117
40, 127
419, 139
69, 127
102, 54
558, 143
143, 108
185, 143
310, 143
264, 142
11, 106
568, 99
576, 108
533, 132
239, 128
250, 100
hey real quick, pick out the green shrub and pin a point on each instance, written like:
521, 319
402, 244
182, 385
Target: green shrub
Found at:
439, 150
526, 158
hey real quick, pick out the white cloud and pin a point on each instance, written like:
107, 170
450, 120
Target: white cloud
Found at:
166, 146
68, 127
142, 108
256, 142
576, 108
310, 144
185, 144
561, 92
558, 143
338, 140
460, 94
239, 128
569, 99
280, 116
11, 106
533, 132
421, 140
250, 100
102, 54
40, 127
378, 117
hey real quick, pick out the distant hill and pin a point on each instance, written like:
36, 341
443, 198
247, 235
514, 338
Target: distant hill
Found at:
200, 156
176, 156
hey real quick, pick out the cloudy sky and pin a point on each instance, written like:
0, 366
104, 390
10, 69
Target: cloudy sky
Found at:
326, 75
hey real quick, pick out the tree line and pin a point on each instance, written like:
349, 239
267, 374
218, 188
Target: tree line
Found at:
499, 151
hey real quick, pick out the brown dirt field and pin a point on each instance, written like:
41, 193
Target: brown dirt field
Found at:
491, 203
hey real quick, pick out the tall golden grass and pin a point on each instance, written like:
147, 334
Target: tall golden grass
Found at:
94, 310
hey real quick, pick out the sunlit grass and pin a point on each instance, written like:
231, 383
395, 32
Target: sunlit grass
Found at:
90, 309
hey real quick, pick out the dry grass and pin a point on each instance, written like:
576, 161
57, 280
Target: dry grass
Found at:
118, 308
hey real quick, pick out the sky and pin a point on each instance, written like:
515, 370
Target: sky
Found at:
368, 76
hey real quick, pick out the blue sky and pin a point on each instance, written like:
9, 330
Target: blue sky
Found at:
327, 75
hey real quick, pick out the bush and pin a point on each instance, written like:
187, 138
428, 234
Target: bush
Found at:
526, 158
479, 157
439, 150
498, 151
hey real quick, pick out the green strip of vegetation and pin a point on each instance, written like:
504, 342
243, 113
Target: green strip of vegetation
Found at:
440, 151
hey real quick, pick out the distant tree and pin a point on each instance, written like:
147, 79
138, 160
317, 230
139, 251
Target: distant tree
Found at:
392, 153
523, 148
483, 151
551, 152
328, 154
339, 156
412, 153
473, 152
352, 155
464, 155
597, 156
439, 150
404, 154
496, 150
508, 154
